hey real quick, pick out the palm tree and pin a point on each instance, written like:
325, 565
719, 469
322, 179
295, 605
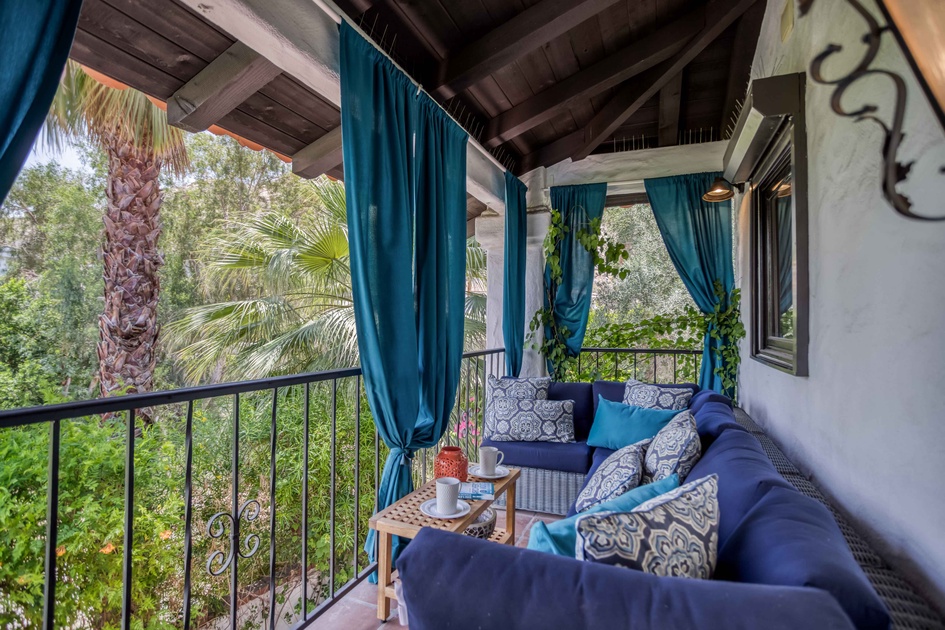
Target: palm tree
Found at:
137, 141
302, 316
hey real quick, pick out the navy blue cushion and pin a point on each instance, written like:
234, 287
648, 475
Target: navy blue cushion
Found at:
708, 395
712, 418
458, 582
788, 539
745, 475
580, 393
564, 456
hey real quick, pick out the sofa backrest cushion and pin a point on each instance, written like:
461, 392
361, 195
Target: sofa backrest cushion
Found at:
581, 394
745, 475
789, 539
712, 418
613, 390
455, 581
707, 395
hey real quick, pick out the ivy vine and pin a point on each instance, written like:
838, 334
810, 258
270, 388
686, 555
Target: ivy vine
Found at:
606, 256
724, 324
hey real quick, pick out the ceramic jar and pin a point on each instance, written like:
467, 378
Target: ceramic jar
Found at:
450, 462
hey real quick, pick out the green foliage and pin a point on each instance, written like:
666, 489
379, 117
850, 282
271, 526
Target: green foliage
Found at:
725, 326
606, 255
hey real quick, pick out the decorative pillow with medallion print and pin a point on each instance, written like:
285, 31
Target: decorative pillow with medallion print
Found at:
618, 474
656, 396
675, 449
523, 420
517, 388
673, 535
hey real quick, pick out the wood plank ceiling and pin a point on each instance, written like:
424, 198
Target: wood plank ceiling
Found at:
536, 81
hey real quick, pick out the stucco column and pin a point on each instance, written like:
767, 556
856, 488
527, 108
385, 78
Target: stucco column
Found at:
490, 232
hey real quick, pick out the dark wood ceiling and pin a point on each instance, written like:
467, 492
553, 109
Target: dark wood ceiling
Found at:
544, 80
536, 81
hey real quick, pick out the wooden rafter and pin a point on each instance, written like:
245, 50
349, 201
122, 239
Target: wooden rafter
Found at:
219, 88
670, 102
630, 98
320, 157
525, 32
605, 74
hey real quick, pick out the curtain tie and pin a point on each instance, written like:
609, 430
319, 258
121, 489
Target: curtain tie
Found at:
406, 455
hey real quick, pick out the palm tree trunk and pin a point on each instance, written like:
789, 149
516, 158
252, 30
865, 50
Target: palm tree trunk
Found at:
128, 329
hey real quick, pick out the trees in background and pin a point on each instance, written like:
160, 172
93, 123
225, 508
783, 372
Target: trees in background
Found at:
137, 141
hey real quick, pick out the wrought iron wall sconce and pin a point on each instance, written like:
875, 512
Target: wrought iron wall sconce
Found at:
894, 171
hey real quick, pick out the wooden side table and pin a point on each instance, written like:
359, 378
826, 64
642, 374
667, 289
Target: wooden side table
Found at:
404, 518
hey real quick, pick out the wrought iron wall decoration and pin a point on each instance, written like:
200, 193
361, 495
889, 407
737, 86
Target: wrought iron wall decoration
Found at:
216, 528
894, 171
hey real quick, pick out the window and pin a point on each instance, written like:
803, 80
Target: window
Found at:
779, 256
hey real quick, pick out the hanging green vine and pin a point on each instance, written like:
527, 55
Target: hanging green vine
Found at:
607, 256
724, 324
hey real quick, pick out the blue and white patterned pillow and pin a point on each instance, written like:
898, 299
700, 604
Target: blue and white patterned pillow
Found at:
656, 396
675, 449
675, 534
521, 388
619, 473
524, 420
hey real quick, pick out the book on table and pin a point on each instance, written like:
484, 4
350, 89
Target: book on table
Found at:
476, 491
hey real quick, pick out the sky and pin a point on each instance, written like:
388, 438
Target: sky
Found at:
68, 157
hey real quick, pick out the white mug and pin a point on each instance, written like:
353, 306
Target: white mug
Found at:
489, 458
447, 494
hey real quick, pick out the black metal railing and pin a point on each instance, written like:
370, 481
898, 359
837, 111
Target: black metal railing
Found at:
290, 463
207, 477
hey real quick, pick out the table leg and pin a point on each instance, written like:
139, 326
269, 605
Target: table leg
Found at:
383, 574
510, 512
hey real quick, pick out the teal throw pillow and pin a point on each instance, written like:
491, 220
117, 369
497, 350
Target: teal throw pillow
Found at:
617, 425
560, 537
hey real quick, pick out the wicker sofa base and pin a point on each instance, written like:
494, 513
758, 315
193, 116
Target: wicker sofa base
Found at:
548, 491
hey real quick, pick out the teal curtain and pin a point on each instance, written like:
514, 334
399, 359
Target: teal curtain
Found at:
405, 182
35, 38
698, 236
579, 205
513, 289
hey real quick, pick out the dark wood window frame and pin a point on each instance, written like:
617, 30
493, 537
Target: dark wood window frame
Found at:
786, 156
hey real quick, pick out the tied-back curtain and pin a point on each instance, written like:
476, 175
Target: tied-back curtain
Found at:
513, 292
698, 236
579, 205
405, 171
35, 39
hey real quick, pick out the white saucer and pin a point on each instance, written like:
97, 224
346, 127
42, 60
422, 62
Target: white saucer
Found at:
429, 508
500, 472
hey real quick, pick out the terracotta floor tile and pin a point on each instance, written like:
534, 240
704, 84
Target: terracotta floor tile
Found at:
351, 614
364, 592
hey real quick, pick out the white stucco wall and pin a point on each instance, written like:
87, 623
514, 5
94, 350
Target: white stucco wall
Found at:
868, 424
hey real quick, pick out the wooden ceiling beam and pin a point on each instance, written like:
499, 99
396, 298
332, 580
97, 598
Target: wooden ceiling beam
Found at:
743, 53
605, 74
320, 157
670, 103
631, 97
219, 88
533, 27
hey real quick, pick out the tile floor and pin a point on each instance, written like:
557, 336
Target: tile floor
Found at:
358, 609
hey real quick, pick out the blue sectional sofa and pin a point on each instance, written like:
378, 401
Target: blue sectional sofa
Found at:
783, 561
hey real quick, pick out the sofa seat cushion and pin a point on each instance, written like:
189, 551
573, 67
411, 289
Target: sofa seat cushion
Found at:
788, 539
444, 573
560, 536
564, 456
580, 394
745, 475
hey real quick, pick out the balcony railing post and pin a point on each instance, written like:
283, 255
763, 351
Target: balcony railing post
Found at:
357, 469
52, 527
272, 511
235, 523
331, 522
305, 438
188, 509
129, 521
